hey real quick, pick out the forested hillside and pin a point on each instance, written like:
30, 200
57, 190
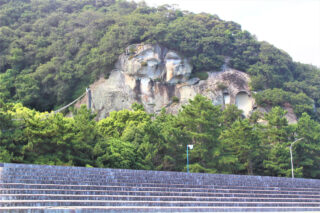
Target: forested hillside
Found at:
51, 50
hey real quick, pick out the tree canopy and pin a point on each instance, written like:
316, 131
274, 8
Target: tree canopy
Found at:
224, 141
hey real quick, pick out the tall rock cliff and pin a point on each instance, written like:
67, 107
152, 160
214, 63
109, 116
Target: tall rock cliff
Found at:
158, 77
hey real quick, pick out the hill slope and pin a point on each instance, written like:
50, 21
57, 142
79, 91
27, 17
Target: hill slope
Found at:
51, 50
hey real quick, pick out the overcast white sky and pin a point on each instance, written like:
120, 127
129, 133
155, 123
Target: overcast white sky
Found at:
291, 25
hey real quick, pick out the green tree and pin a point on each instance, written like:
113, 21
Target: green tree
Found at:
6, 126
243, 142
130, 126
48, 139
11, 134
115, 153
307, 151
200, 121
276, 137
231, 114
166, 138
85, 137
119, 122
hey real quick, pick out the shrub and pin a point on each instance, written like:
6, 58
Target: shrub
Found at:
200, 75
222, 86
175, 99
132, 50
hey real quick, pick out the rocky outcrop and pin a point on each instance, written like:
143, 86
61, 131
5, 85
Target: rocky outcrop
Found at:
225, 87
158, 77
154, 63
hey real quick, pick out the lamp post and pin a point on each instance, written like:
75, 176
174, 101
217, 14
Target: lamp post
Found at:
188, 147
291, 155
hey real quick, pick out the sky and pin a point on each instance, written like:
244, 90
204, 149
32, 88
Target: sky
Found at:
290, 25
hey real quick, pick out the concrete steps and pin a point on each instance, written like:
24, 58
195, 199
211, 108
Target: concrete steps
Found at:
102, 209
155, 194
66, 197
35, 188
120, 203
161, 193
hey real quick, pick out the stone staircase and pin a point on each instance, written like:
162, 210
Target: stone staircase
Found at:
36, 188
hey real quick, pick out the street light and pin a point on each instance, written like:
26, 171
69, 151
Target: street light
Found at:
188, 147
291, 155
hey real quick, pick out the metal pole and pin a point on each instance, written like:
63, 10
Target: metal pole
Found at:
187, 160
291, 155
89, 97
291, 161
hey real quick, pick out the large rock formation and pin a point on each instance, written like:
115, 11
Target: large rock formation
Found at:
158, 77
152, 62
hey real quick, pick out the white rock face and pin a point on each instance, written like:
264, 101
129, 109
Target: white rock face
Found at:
154, 62
153, 75
113, 94
220, 87
244, 102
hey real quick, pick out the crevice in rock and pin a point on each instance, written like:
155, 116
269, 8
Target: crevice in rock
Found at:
137, 90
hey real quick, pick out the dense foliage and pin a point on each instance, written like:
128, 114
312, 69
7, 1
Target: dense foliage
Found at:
223, 141
51, 50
